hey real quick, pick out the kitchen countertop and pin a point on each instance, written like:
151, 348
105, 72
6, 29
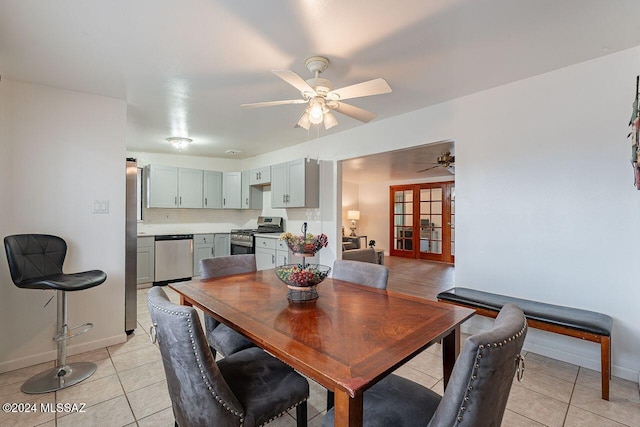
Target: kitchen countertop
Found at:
145, 234
268, 235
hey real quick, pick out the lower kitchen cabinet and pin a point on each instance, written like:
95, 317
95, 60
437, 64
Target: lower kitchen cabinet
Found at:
146, 259
272, 252
222, 244
202, 248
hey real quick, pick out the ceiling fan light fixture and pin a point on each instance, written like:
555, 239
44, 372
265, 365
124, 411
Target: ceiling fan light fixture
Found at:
330, 120
179, 142
304, 121
315, 111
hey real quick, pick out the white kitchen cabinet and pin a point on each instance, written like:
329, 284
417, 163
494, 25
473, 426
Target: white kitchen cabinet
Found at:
265, 253
161, 186
189, 188
295, 184
203, 245
212, 190
260, 176
232, 190
272, 252
251, 196
265, 259
222, 244
145, 259
172, 187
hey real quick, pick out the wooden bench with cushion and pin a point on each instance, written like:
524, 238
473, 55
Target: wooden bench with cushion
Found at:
573, 322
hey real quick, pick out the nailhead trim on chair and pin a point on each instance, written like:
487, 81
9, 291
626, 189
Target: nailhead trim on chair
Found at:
474, 375
209, 387
282, 413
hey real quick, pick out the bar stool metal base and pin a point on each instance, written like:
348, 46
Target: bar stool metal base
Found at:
58, 378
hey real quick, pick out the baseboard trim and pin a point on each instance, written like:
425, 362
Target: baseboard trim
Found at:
49, 356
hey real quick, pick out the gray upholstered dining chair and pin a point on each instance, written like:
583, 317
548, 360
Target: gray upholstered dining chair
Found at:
362, 273
248, 388
478, 389
222, 338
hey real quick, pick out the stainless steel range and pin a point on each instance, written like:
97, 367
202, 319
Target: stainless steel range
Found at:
243, 241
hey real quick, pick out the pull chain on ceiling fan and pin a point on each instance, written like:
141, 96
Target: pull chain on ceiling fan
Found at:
322, 99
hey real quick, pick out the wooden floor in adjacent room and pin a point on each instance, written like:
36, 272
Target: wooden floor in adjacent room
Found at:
419, 277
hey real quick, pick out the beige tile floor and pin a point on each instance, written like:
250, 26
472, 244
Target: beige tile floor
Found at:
129, 389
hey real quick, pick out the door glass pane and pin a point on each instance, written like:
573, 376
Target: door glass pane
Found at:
408, 220
425, 194
436, 207
436, 220
425, 207
436, 194
408, 195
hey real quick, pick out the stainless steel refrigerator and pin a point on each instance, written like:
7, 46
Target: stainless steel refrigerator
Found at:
131, 247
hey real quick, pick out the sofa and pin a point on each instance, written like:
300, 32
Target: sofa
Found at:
352, 251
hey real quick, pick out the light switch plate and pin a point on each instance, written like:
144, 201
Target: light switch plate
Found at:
100, 206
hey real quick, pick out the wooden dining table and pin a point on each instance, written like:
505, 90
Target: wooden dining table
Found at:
348, 339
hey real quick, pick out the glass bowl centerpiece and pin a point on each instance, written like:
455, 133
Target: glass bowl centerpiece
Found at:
301, 279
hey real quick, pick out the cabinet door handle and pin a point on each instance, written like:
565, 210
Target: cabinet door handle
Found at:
224, 202
273, 259
205, 201
283, 198
175, 200
180, 200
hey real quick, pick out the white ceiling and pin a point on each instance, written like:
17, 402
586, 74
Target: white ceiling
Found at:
399, 165
185, 67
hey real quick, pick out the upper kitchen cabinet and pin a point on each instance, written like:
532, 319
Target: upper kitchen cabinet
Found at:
162, 186
172, 187
261, 176
251, 196
212, 191
232, 190
189, 188
295, 184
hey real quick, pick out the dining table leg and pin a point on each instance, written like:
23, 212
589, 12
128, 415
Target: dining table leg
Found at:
348, 410
450, 351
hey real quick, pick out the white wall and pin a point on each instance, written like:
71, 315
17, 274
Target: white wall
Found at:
62, 150
545, 207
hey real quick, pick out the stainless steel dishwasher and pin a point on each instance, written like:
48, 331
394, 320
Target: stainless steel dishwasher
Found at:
174, 258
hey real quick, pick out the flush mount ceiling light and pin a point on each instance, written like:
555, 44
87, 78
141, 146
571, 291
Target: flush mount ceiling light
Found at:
179, 142
321, 98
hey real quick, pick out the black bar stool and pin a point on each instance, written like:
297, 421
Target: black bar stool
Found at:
35, 262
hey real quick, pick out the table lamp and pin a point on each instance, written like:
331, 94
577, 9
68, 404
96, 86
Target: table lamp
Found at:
353, 216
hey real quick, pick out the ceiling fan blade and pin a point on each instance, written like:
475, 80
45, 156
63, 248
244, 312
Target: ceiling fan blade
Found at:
355, 112
371, 87
272, 103
296, 81
427, 169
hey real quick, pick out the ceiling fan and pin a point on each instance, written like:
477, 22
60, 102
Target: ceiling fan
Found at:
445, 160
322, 99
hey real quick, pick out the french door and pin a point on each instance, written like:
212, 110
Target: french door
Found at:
423, 221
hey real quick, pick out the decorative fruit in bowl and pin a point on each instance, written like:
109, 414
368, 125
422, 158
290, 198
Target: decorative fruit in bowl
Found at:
305, 244
302, 276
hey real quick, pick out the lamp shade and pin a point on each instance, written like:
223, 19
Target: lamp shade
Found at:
353, 215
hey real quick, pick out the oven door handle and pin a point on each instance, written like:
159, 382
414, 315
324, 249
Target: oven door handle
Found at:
245, 244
